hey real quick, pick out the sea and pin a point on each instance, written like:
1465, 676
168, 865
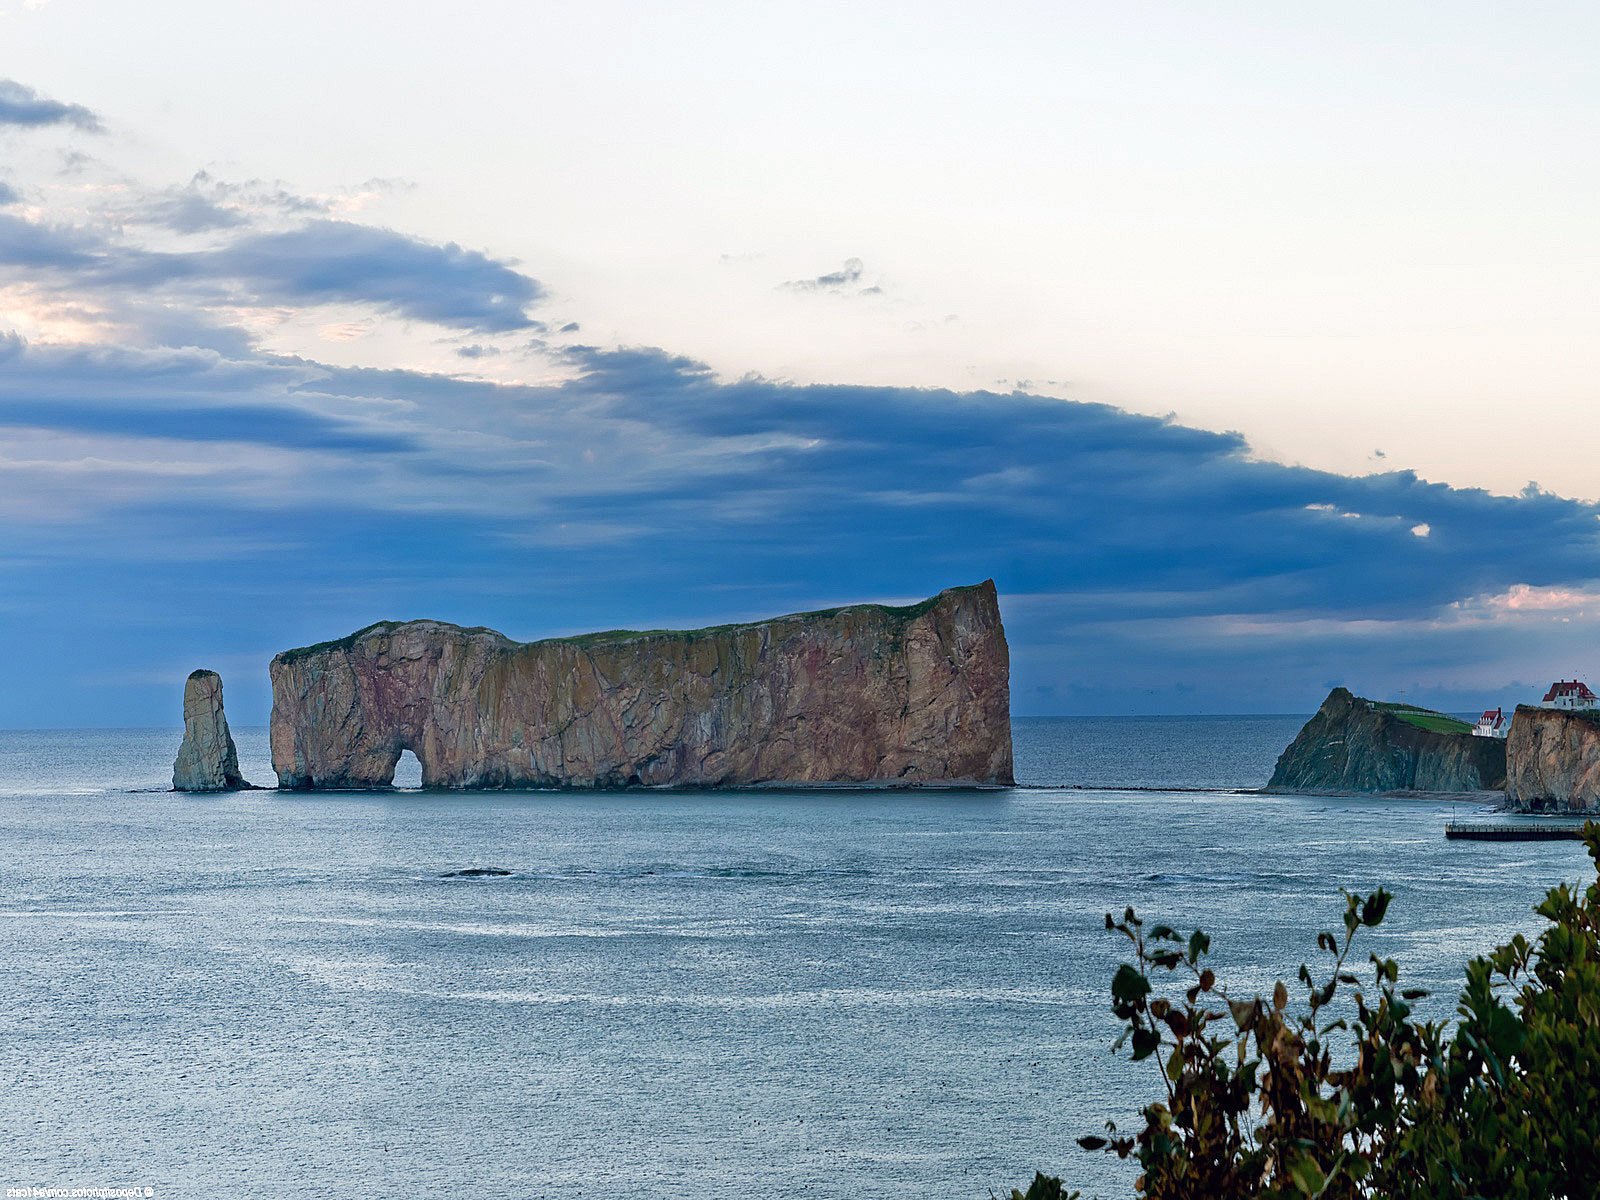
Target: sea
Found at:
670, 994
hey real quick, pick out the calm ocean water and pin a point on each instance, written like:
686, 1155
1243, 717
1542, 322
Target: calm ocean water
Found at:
672, 995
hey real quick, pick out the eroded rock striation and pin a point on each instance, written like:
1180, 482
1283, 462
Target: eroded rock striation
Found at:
1553, 761
207, 759
863, 694
1359, 745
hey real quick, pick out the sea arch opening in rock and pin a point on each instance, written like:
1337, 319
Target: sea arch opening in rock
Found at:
407, 770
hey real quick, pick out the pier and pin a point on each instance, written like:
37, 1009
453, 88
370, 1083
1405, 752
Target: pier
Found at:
1513, 833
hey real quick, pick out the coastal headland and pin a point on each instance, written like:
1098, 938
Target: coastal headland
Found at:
1353, 744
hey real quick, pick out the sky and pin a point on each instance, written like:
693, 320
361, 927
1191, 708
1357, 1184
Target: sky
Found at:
1250, 351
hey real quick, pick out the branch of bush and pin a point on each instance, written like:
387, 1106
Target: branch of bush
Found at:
1331, 1089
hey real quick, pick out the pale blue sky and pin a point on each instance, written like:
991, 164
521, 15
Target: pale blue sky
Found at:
524, 315
1330, 227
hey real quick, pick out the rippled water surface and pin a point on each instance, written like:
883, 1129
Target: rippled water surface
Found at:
670, 995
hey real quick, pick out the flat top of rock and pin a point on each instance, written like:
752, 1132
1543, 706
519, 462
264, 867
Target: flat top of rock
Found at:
902, 614
1591, 715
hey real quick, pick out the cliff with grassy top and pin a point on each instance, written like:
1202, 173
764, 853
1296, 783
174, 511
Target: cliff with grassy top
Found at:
1353, 744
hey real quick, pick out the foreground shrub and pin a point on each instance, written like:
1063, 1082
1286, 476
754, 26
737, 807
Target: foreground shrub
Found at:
1330, 1089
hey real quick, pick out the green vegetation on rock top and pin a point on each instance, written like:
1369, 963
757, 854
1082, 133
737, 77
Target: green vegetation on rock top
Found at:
903, 614
351, 639
1435, 722
1423, 718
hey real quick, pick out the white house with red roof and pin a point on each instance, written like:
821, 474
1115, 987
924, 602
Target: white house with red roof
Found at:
1570, 693
1493, 723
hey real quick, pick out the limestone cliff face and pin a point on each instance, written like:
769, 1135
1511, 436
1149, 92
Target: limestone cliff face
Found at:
1357, 745
1553, 761
864, 694
207, 760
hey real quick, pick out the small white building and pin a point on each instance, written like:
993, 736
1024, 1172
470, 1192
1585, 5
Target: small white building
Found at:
1493, 723
1571, 694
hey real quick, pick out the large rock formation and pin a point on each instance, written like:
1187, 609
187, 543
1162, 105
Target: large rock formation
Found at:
207, 760
1553, 761
1359, 745
864, 694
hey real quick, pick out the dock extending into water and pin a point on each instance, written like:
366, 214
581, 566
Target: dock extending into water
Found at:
1513, 833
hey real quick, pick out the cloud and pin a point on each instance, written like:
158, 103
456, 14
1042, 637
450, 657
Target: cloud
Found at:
22, 106
642, 489
25, 243
209, 202
339, 260
75, 163
1523, 598
188, 211
750, 474
845, 281
190, 397
8, 194
322, 261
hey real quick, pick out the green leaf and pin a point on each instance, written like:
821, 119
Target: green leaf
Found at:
1128, 986
1044, 1187
1145, 1042
1306, 1175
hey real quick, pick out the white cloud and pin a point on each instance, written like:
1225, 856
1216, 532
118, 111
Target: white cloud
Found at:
1524, 598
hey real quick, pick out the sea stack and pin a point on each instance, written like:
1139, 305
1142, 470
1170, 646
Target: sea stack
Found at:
867, 694
207, 759
1354, 744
